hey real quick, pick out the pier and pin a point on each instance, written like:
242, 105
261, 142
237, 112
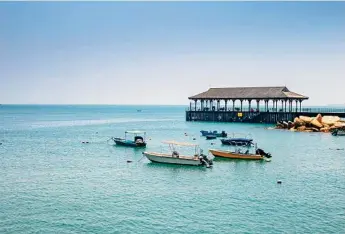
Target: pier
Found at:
243, 104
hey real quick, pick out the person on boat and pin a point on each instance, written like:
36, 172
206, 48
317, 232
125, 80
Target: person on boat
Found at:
175, 154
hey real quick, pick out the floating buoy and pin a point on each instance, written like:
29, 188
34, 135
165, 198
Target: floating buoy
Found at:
150, 139
279, 182
96, 132
212, 143
194, 139
85, 142
129, 161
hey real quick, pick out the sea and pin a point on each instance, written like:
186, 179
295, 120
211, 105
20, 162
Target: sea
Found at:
51, 182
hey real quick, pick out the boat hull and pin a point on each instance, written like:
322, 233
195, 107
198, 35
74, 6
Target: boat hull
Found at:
233, 155
166, 158
129, 143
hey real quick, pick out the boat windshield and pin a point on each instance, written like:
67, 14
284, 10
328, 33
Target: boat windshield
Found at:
173, 145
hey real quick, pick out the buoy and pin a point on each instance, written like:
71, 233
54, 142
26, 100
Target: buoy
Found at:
194, 139
212, 143
279, 182
96, 132
129, 161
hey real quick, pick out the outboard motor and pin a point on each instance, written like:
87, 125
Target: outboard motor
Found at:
263, 153
205, 161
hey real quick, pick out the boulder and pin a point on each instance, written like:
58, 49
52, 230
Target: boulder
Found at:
324, 129
330, 120
319, 118
339, 124
305, 119
298, 122
316, 123
301, 128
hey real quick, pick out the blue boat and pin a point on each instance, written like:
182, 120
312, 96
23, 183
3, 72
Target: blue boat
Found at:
237, 141
214, 133
138, 141
211, 137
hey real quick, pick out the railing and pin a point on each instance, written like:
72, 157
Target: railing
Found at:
307, 110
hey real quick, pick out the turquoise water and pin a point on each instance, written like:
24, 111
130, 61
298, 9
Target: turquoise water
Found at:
52, 183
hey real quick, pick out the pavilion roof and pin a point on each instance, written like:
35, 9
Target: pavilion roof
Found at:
281, 92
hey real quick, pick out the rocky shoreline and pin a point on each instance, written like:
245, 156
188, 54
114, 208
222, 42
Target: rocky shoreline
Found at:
319, 123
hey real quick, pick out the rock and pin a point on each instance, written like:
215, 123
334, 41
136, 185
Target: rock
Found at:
319, 118
298, 122
316, 123
339, 124
301, 128
324, 130
305, 119
292, 129
330, 120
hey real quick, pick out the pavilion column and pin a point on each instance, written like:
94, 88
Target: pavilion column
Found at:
190, 106
233, 104
218, 105
266, 105
282, 105
249, 101
300, 105
258, 105
195, 101
290, 105
241, 104
285, 105
296, 106
226, 104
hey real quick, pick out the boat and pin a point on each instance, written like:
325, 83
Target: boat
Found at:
174, 157
215, 133
138, 140
211, 137
339, 132
258, 155
237, 141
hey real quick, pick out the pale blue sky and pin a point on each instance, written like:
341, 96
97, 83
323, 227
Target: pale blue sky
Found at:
161, 53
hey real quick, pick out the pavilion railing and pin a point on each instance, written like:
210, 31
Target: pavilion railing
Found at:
245, 109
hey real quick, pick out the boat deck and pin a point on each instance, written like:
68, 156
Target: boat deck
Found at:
170, 156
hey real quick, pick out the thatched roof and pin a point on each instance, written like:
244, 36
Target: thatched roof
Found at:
249, 93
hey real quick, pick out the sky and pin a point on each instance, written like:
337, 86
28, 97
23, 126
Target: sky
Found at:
164, 52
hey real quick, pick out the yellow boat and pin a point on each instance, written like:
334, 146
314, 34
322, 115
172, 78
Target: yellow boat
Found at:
259, 154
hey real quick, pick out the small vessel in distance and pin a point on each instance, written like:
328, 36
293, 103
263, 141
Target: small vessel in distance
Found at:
214, 133
174, 157
258, 155
339, 132
138, 140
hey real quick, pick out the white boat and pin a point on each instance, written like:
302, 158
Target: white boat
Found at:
198, 159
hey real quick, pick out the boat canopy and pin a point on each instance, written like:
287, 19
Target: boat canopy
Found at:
135, 132
178, 143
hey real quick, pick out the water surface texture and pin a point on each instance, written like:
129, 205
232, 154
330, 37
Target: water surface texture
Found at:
52, 183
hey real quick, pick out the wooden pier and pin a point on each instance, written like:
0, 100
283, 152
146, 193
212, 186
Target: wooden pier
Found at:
212, 105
